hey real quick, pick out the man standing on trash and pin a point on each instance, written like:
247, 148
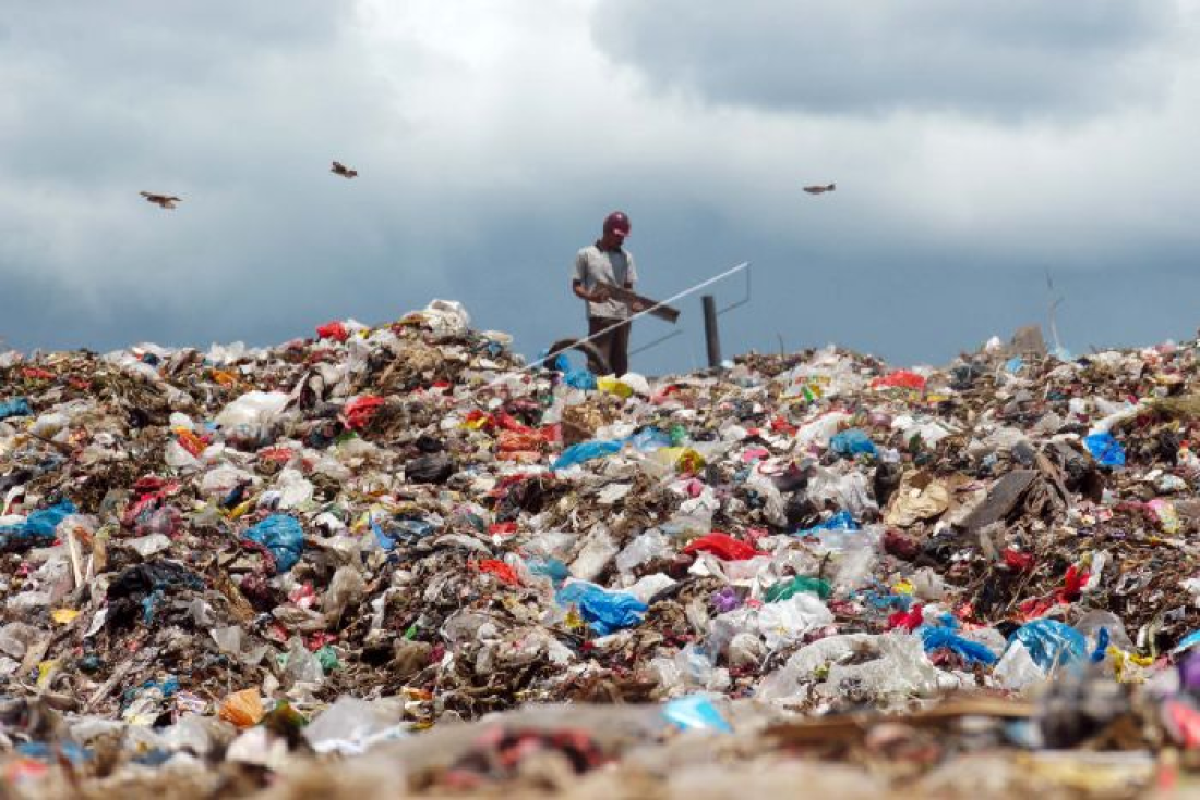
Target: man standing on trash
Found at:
597, 266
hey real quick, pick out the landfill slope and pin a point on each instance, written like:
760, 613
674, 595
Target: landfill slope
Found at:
399, 559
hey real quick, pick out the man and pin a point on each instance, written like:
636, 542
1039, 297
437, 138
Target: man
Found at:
607, 263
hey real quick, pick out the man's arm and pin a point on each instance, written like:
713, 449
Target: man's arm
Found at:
597, 294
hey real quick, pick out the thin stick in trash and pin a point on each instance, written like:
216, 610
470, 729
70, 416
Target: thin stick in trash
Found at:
703, 284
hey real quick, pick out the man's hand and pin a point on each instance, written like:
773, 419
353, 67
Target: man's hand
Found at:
598, 294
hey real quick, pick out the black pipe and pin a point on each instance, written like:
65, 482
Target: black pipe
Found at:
711, 334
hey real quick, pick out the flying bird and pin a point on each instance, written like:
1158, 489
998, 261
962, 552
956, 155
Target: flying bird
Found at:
820, 189
341, 169
161, 200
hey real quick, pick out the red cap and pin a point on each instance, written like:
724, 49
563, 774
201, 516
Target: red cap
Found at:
617, 222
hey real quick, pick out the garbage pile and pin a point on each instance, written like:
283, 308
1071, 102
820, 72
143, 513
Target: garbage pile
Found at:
400, 559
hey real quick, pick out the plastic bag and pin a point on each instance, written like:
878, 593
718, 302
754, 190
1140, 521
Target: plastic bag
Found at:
361, 410
650, 439
695, 713
15, 407
1051, 643
38, 528
604, 611
580, 378
350, 726
852, 442
1017, 670
586, 451
801, 583
651, 545
253, 409
610, 385
900, 379
1105, 449
841, 521
333, 330
936, 638
433, 468
723, 546
283, 536
550, 568
243, 709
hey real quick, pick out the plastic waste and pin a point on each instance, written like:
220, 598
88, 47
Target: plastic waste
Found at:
937, 638
253, 409
900, 379
842, 520
649, 546
351, 726
243, 708
695, 713
15, 407
1051, 643
1105, 449
852, 442
585, 451
38, 528
283, 536
604, 611
723, 546
579, 378
1016, 669
801, 583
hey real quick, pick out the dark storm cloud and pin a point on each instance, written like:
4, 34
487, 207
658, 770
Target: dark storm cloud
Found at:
490, 150
1007, 59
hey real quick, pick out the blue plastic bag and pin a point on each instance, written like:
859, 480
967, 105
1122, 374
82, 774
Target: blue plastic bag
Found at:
604, 611
1187, 642
586, 451
385, 542
1101, 646
579, 378
283, 536
1106, 449
852, 442
935, 638
841, 521
1051, 643
553, 569
695, 713
16, 407
649, 440
40, 525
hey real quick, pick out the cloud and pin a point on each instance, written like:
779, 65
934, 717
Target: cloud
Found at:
1006, 60
490, 147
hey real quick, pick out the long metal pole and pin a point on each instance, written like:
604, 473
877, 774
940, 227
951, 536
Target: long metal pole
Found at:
711, 334
690, 290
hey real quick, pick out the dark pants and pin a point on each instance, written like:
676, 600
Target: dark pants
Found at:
613, 345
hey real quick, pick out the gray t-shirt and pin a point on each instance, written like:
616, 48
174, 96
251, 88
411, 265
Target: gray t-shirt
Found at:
613, 267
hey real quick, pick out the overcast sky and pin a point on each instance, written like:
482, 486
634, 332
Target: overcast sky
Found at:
976, 146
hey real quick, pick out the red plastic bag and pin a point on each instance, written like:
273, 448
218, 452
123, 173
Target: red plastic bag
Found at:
908, 619
1018, 561
512, 441
1073, 585
360, 410
503, 529
899, 380
723, 546
333, 330
501, 570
